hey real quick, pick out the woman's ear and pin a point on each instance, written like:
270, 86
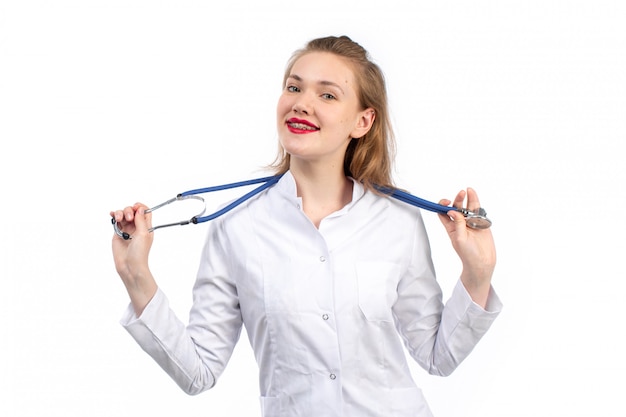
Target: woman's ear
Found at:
364, 123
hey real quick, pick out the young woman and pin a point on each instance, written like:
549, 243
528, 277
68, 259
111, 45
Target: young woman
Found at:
323, 271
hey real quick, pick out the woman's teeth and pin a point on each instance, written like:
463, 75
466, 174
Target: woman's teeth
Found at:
302, 126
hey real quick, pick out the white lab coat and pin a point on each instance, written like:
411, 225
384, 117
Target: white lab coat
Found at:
327, 311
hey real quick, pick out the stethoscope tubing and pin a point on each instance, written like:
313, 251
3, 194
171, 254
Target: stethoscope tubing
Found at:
267, 182
480, 220
416, 201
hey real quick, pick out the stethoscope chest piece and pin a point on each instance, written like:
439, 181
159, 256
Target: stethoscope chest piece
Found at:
476, 219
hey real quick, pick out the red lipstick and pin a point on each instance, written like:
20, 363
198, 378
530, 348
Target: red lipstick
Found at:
301, 126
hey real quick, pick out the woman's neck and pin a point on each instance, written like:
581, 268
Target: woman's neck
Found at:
324, 190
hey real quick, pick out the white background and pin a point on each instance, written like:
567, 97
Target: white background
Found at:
104, 103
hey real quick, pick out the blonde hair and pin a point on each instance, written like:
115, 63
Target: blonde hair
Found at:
368, 159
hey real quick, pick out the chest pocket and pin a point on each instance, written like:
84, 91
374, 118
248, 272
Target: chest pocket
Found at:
377, 289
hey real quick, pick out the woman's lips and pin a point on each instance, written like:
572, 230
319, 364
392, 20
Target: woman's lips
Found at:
300, 126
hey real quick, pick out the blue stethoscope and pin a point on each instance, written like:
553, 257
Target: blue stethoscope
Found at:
475, 219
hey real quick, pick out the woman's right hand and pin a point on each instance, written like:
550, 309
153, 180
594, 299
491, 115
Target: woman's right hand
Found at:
131, 256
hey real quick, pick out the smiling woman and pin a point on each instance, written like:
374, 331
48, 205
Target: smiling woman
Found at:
352, 79
319, 113
322, 269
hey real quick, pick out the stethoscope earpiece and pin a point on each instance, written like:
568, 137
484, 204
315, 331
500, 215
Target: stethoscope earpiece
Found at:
118, 232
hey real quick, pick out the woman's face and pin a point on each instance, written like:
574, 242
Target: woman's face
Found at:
319, 112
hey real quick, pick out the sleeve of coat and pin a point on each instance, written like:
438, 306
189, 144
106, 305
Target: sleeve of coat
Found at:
437, 336
196, 354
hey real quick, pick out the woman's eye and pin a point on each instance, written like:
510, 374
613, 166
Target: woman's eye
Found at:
328, 96
292, 89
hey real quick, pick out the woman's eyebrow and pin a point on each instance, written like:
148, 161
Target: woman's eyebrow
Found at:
321, 82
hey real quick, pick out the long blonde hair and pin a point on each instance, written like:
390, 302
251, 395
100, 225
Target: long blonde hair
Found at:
368, 159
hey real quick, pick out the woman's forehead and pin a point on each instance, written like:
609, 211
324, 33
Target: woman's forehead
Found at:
323, 67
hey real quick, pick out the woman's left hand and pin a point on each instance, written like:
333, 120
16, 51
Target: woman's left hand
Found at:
475, 247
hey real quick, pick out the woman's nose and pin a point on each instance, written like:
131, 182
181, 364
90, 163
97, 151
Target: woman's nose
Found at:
302, 105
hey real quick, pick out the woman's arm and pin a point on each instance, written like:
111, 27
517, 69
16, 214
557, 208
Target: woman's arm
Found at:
131, 256
475, 247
